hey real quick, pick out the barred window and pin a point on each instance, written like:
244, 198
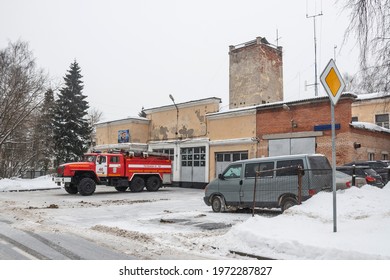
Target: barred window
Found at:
252, 168
288, 171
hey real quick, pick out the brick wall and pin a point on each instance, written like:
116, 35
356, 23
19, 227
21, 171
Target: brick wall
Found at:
276, 120
255, 74
304, 115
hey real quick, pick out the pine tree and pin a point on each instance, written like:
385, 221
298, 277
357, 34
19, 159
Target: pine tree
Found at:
71, 128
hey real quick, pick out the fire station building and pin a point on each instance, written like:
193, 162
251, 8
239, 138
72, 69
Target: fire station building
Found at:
202, 139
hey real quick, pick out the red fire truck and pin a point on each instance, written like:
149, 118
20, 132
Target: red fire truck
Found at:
121, 170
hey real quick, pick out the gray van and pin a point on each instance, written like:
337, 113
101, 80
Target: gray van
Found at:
276, 182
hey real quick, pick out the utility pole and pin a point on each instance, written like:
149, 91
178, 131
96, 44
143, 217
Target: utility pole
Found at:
315, 52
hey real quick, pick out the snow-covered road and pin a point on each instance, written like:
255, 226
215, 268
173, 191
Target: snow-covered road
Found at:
174, 223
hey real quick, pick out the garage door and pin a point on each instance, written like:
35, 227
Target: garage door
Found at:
193, 164
293, 146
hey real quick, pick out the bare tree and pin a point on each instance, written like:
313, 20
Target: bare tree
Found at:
370, 22
94, 116
22, 86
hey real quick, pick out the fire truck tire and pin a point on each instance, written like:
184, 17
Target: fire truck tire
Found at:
87, 186
121, 189
137, 184
71, 189
153, 183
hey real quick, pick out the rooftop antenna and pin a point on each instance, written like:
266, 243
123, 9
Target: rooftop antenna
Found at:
315, 49
277, 38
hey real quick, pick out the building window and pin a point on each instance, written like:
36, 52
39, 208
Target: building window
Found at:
382, 120
355, 119
385, 156
233, 156
371, 156
169, 152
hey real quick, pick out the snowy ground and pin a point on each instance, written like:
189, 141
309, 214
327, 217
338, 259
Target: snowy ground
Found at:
175, 223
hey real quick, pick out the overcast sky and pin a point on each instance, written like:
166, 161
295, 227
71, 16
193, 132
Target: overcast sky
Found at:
133, 54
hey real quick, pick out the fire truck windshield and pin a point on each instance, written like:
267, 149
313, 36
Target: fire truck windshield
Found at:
89, 158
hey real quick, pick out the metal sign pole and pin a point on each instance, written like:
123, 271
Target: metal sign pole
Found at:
334, 168
334, 85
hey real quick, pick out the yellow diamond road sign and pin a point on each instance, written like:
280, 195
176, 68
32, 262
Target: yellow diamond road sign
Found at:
332, 82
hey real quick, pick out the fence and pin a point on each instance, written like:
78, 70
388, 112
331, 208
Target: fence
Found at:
31, 174
284, 187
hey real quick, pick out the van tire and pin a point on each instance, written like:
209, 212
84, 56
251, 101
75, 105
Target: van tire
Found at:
217, 204
287, 203
87, 186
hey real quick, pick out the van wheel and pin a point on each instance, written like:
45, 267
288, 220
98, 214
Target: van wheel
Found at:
217, 204
287, 203
87, 186
153, 183
137, 184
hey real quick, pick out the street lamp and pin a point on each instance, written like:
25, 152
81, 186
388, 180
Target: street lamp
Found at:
177, 133
177, 115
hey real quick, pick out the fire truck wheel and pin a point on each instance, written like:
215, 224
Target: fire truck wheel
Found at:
86, 186
153, 183
137, 184
121, 189
71, 189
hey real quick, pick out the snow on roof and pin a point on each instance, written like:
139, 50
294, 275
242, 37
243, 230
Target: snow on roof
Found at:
374, 95
183, 104
369, 126
124, 120
241, 110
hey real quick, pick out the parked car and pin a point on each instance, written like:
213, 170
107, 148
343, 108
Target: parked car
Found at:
381, 167
386, 161
344, 181
371, 176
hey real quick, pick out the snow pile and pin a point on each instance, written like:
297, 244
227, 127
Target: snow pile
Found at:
306, 231
17, 184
